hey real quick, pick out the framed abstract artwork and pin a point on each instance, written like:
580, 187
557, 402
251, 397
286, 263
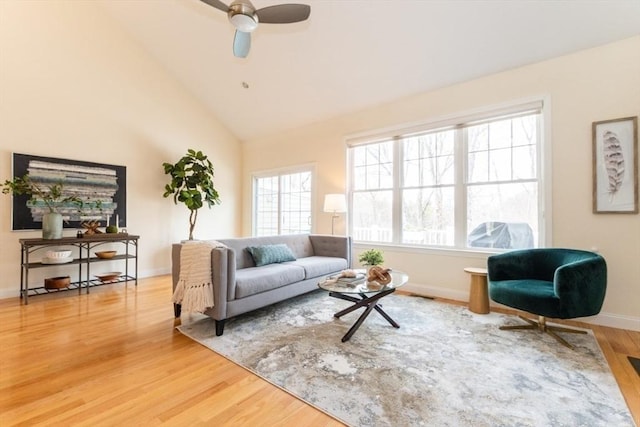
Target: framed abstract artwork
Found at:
615, 166
87, 181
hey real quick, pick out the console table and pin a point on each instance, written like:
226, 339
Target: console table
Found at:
86, 246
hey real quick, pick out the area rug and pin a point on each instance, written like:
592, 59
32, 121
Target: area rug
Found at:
444, 366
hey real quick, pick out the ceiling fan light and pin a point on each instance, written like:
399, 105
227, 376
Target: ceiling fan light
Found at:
243, 22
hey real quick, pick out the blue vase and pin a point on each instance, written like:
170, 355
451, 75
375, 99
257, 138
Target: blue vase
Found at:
52, 225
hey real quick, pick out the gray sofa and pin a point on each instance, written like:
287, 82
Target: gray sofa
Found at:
239, 286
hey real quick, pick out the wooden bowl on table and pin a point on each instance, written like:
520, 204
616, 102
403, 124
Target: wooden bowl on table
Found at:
106, 254
57, 282
108, 277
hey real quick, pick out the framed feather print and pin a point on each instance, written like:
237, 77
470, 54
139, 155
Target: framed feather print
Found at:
615, 166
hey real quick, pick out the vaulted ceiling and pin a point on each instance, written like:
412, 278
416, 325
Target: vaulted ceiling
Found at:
355, 54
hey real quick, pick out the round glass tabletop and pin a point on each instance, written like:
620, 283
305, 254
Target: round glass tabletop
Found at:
360, 285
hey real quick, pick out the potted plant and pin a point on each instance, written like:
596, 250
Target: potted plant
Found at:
51, 195
192, 184
371, 257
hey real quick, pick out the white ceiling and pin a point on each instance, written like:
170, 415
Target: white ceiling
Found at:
355, 54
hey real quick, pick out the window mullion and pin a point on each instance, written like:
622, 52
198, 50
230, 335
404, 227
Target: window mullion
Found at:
461, 162
398, 173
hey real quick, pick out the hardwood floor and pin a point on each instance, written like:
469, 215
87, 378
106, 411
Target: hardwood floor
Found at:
113, 357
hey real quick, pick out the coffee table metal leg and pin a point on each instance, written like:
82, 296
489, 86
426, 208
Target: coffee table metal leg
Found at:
359, 322
369, 302
386, 316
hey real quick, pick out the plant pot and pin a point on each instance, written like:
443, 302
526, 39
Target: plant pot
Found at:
52, 225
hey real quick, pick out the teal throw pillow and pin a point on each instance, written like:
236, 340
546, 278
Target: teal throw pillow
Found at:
270, 254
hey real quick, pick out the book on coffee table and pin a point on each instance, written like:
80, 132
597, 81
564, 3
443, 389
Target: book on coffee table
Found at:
350, 280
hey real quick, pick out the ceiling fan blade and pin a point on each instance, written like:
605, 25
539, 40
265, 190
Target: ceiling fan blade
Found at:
283, 13
217, 4
241, 44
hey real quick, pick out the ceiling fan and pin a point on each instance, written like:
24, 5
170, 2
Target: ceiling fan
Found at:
244, 17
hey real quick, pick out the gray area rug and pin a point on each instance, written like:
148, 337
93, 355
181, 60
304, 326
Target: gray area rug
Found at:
445, 366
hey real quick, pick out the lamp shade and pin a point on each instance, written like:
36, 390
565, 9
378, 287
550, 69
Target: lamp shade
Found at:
335, 203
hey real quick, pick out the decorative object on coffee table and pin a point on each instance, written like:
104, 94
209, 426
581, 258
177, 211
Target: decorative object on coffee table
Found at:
379, 275
371, 257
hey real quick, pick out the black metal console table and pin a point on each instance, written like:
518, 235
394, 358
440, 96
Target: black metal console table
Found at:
85, 258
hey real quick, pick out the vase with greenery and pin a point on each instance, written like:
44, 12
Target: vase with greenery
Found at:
371, 257
191, 184
51, 196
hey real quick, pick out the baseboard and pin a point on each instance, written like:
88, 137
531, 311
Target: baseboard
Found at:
431, 291
614, 321
8, 293
611, 320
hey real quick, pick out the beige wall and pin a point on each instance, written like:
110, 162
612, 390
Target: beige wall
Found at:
73, 85
597, 84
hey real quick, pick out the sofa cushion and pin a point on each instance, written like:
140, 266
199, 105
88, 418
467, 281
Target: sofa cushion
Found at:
253, 280
270, 254
316, 266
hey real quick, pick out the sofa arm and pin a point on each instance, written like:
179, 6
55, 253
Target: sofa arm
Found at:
223, 267
333, 246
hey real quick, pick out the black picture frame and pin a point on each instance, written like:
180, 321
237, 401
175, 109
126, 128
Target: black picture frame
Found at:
110, 181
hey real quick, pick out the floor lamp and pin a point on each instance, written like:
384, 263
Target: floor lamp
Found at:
335, 203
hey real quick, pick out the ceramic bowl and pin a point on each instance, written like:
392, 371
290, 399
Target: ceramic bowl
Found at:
106, 254
58, 253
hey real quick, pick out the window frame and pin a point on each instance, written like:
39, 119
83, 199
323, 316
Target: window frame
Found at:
459, 122
279, 173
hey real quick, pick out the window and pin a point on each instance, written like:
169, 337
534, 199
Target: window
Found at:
474, 183
282, 203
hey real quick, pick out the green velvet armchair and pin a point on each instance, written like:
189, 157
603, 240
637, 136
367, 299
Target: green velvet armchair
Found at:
549, 282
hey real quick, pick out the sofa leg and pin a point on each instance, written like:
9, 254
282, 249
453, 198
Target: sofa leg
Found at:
177, 309
219, 327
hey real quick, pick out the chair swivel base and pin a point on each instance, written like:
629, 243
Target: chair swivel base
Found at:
542, 326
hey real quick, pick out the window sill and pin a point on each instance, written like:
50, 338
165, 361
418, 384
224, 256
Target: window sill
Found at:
450, 252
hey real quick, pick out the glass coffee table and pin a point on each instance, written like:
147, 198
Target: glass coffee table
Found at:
363, 294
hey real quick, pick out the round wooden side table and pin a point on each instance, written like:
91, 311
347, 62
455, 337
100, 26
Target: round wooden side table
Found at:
479, 291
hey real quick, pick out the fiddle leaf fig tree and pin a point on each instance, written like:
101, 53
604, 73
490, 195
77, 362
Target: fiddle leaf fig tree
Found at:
192, 184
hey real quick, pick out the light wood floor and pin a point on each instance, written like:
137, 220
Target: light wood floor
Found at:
113, 357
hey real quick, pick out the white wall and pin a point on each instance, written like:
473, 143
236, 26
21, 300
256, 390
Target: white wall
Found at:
74, 86
592, 85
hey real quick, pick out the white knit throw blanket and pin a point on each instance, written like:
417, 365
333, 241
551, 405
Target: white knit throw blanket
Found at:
194, 291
